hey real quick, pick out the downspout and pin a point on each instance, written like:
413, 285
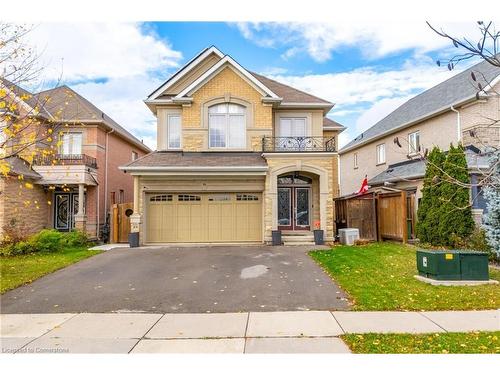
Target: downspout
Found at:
459, 126
106, 174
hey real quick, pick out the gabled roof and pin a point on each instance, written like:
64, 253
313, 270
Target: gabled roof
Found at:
271, 89
456, 90
66, 105
184, 70
227, 60
288, 93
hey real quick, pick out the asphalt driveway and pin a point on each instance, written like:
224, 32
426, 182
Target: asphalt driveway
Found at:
194, 280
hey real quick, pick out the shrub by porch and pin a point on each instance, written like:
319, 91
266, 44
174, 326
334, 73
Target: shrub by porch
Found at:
26, 259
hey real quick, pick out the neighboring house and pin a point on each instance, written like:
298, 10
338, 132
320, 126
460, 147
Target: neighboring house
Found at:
75, 177
389, 152
238, 156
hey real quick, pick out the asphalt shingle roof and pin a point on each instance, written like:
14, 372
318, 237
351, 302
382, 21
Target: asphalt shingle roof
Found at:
67, 105
452, 91
199, 159
288, 93
21, 167
415, 169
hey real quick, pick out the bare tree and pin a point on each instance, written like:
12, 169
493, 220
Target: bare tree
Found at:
27, 128
486, 48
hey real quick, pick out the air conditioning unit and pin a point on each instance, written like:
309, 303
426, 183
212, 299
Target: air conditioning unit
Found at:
348, 235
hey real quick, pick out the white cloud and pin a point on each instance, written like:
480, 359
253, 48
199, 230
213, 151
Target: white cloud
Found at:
121, 98
373, 39
97, 50
114, 65
369, 84
378, 111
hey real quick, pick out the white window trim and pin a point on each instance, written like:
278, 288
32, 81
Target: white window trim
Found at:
294, 117
227, 115
61, 147
377, 152
170, 115
411, 150
355, 160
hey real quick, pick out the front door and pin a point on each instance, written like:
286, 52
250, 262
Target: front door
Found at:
294, 208
65, 209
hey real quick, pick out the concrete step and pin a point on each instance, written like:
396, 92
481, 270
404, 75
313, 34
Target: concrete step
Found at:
297, 238
296, 243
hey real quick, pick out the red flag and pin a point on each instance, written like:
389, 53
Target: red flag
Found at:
364, 186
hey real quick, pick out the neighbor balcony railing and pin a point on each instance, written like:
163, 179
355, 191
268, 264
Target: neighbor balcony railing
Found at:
298, 144
66, 159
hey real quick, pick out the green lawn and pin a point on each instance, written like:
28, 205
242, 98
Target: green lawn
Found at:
379, 276
22, 269
434, 343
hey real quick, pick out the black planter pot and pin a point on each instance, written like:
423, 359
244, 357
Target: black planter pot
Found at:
276, 236
318, 237
133, 239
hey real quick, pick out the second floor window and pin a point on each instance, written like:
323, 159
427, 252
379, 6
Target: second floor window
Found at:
293, 127
71, 144
227, 126
413, 143
355, 160
381, 154
174, 131
134, 155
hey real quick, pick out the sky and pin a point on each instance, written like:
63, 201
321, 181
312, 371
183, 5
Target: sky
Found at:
366, 69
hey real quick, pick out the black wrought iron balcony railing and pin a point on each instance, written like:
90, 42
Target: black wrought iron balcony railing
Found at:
66, 159
298, 144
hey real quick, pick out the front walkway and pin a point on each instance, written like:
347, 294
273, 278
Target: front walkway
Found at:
255, 332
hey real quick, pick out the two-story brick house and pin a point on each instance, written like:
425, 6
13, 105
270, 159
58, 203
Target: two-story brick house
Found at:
390, 152
75, 183
238, 156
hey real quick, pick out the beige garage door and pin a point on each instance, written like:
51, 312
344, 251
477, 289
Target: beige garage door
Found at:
204, 217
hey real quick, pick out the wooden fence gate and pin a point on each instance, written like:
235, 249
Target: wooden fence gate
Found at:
391, 213
120, 222
378, 215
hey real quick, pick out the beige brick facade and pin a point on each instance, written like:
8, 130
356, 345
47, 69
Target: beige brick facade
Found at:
228, 85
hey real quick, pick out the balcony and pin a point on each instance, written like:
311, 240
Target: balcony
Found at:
65, 159
298, 144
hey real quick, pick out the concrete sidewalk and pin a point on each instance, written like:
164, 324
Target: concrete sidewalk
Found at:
255, 332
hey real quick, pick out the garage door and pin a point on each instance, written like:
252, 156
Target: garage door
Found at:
204, 217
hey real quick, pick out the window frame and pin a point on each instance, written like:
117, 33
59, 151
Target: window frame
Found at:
355, 160
169, 132
71, 145
135, 155
292, 120
411, 149
381, 146
227, 124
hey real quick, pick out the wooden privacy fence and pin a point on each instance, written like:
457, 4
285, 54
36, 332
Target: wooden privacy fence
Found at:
120, 221
378, 215
357, 212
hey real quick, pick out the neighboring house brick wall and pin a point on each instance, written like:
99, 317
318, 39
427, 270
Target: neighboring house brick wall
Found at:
29, 206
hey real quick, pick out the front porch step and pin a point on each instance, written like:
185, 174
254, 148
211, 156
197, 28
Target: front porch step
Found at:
296, 233
304, 238
297, 243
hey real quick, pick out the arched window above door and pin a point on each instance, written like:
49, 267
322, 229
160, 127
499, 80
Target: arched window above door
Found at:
294, 179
